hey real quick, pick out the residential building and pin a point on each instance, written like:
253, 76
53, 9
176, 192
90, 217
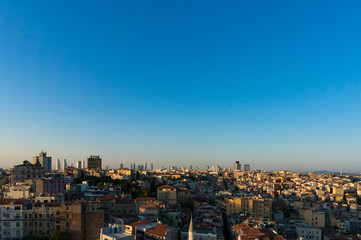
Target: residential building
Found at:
313, 217
114, 232
19, 190
11, 215
27, 171
167, 194
47, 185
261, 206
309, 232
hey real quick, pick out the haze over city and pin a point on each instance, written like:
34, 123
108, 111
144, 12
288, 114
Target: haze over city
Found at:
182, 83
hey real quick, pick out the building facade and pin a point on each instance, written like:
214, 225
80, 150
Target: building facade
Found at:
27, 171
167, 194
237, 165
94, 162
44, 161
261, 206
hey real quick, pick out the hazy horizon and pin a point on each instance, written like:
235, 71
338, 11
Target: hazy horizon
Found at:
201, 83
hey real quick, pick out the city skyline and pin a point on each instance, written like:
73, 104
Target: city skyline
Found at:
180, 165
276, 86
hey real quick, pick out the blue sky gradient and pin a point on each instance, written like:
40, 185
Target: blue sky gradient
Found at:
273, 84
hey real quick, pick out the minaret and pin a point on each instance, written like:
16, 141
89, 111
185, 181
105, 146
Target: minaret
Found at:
191, 230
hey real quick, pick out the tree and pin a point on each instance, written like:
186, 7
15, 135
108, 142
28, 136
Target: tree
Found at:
137, 175
41, 237
57, 235
145, 192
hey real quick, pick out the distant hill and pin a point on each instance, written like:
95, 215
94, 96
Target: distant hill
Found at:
322, 172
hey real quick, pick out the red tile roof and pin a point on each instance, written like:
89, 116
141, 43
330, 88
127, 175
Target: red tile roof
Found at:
125, 201
159, 230
166, 187
15, 201
139, 222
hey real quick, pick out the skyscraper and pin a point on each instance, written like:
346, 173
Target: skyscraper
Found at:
44, 161
247, 167
94, 162
121, 165
216, 168
79, 164
237, 165
151, 166
64, 164
58, 165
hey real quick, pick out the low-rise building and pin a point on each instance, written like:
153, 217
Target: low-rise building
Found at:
114, 232
309, 232
167, 194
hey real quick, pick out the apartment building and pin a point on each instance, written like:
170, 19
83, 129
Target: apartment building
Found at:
167, 194
313, 217
26, 171
11, 215
261, 206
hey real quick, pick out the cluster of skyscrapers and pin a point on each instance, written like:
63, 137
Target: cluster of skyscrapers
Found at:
238, 166
140, 167
59, 166
94, 162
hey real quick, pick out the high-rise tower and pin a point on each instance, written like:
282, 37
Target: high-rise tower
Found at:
44, 161
237, 165
247, 167
64, 164
58, 166
94, 162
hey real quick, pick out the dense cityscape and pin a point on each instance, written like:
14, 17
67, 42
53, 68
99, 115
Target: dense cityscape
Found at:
180, 120
185, 203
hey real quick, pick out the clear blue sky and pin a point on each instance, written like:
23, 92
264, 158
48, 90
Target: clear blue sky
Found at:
276, 84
